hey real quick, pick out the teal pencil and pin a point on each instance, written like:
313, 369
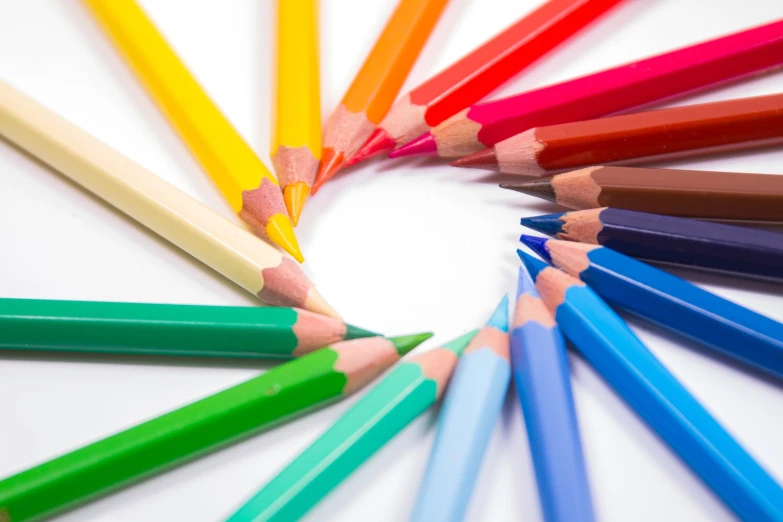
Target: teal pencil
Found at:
412, 387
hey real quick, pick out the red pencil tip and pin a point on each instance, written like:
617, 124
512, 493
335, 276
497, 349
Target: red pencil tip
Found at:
484, 159
424, 144
378, 142
331, 162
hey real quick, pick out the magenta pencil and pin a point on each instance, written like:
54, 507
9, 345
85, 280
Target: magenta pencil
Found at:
612, 91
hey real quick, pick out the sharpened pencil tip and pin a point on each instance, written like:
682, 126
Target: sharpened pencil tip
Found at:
295, 196
405, 343
424, 144
354, 332
378, 142
540, 189
280, 230
331, 163
315, 302
533, 265
499, 319
483, 159
459, 344
549, 224
537, 245
525, 284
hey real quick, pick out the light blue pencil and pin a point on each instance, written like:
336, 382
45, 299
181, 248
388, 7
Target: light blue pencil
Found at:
541, 373
657, 396
471, 408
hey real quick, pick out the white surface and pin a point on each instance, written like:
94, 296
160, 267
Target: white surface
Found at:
397, 247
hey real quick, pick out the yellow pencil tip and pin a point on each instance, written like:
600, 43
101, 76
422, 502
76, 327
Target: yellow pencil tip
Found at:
295, 196
315, 302
281, 231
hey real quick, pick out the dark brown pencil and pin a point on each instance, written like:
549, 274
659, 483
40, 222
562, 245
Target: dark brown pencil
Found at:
685, 193
706, 128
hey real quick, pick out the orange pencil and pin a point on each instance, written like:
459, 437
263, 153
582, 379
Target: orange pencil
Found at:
377, 83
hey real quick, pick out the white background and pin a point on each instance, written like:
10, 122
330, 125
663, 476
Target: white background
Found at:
396, 247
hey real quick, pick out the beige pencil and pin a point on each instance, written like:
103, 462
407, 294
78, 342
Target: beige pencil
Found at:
164, 209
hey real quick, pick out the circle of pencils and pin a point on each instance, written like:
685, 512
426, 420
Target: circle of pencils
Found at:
677, 241
167, 329
726, 196
615, 90
161, 443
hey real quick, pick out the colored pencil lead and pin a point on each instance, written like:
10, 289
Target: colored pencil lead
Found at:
549, 224
378, 142
423, 145
537, 245
540, 189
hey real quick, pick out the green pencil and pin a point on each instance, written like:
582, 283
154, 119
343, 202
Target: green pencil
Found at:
163, 329
375, 419
193, 430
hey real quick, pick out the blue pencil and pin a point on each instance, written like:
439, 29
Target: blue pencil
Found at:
471, 408
541, 373
679, 419
672, 302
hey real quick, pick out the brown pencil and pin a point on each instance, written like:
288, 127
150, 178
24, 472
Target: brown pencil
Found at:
635, 138
685, 193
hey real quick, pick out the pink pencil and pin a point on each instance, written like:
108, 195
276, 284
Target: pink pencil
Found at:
629, 86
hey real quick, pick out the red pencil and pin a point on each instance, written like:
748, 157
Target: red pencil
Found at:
641, 137
481, 71
628, 86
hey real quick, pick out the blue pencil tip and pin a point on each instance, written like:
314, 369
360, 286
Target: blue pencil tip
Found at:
537, 245
499, 317
533, 265
549, 224
525, 284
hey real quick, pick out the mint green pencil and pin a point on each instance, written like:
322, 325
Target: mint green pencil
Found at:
412, 387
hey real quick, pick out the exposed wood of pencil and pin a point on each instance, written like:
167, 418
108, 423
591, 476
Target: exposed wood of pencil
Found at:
237, 254
481, 71
296, 135
686, 193
705, 128
377, 83
251, 190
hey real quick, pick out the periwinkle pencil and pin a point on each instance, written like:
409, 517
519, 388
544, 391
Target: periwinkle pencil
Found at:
407, 391
686, 242
673, 303
688, 130
166, 329
481, 71
236, 253
543, 382
632, 85
245, 182
657, 396
173, 438
470, 411
683, 193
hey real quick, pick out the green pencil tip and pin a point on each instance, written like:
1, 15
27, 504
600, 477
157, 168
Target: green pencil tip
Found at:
406, 343
459, 344
354, 332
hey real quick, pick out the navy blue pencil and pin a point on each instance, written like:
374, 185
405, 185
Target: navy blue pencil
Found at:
671, 302
648, 387
666, 239
542, 377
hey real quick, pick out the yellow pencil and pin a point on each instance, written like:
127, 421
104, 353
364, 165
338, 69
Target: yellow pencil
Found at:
296, 134
245, 182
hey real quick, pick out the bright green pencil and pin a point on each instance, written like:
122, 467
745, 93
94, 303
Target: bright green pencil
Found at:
375, 419
164, 329
278, 395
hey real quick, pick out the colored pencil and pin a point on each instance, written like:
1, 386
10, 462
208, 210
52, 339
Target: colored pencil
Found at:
412, 387
706, 128
251, 190
470, 410
481, 71
377, 83
237, 254
543, 382
664, 239
167, 329
686, 193
734, 331
658, 397
296, 133
655, 79
173, 438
